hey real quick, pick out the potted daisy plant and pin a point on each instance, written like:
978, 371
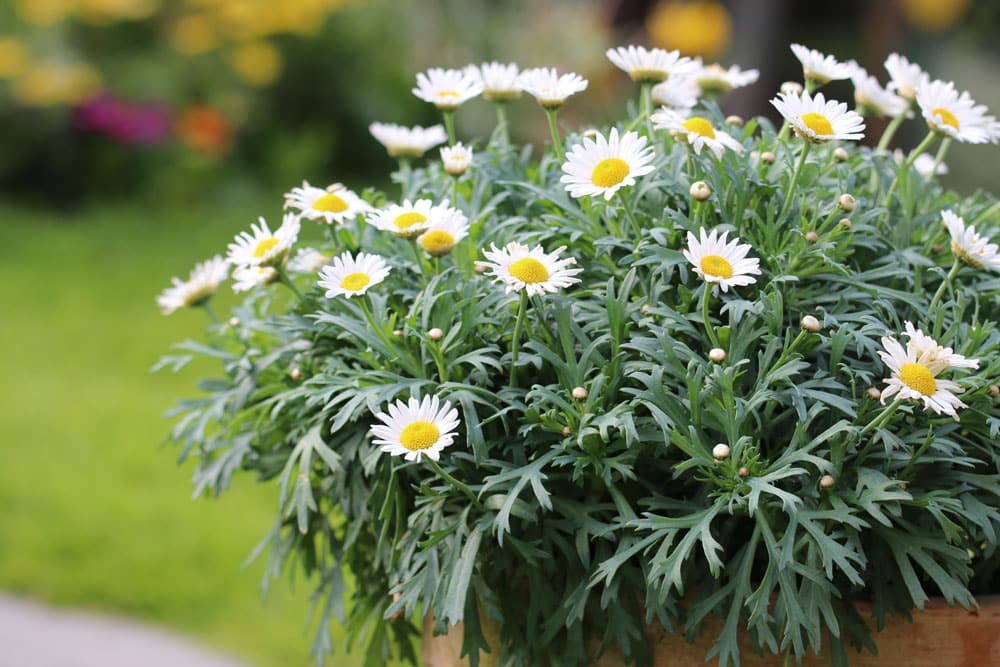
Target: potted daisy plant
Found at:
692, 387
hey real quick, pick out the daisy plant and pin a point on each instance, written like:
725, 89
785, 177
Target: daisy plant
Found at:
692, 374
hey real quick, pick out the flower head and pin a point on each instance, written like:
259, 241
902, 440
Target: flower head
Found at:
915, 371
352, 276
968, 246
416, 428
931, 354
447, 89
308, 260
697, 130
264, 247
602, 166
906, 77
870, 94
820, 67
445, 231
650, 65
716, 79
678, 92
245, 278
407, 220
817, 120
927, 166
197, 289
335, 204
499, 81
955, 116
402, 141
456, 158
717, 261
549, 88
531, 270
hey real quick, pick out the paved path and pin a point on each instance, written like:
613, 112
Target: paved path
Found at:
32, 635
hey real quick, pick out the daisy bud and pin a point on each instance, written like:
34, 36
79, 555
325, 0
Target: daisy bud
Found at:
567, 431
456, 159
234, 322
846, 203
579, 393
810, 324
767, 157
480, 267
827, 481
936, 248
435, 334
589, 133
754, 156
812, 237
720, 451
398, 333
994, 391
700, 191
734, 120
295, 374
744, 471
840, 155
717, 355
791, 88
874, 393
646, 308
846, 223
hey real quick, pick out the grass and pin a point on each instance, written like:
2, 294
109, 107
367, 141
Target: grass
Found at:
94, 513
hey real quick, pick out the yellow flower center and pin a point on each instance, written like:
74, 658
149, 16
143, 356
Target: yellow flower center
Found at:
609, 171
714, 265
447, 95
264, 247
355, 281
947, 117
330, 203
437, 243
419, 435
529, 270
700, 126
407, 220
818, 123
918, 378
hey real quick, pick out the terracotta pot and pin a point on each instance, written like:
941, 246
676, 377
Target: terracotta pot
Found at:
941, 636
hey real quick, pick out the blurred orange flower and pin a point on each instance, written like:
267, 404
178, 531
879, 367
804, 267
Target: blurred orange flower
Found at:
695, 27
934, 15
205, 129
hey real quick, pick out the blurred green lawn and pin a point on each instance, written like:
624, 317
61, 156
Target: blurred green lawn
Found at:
94, 513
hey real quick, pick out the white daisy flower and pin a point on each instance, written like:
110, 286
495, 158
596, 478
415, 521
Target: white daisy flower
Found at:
197, 289
969, 246
717, 261
402, 141
820, 67
447, 89
245, 278
407, 220
955, 116
531, 270
308, 260
933, 355
924, 164
416, 428
906, 77
456, 158
602, 166
264, 247
352, 276
870, 94
548, 88
697, 130
335, 204
678, 92
499, 81
916, 379
650, 65
716, 79
817, 120
447, 228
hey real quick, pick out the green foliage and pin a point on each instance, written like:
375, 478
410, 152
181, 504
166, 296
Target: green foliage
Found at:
596, 515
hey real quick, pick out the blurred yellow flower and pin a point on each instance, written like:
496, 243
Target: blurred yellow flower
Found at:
695, 28
43, 12
13, 57
104, 12
49, 83
194, 34
934, 15
257, 63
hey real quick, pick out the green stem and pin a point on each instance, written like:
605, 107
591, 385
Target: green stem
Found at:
515, 341
939, 158
207, 307
881, 420
646, 104
890, 129
449, 124
795, 181
554, 129
502, 128
435, 350
786, 128
791, 348
407, 174
413, 366
944, 284
631, 217
709, 329
454, 191
811, 85
287, 281
454, 483
904, 169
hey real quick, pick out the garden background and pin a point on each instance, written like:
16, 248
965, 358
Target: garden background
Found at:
138, 134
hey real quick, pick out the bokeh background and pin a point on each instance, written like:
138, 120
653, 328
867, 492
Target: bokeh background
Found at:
137, 136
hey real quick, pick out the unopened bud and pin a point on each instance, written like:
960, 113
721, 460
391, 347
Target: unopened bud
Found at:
994, 391
767, 157
812, 237
720, 451
903, 485
579, 393
791, 88
398, 333
874, 393
295, 374
827, 481
840, 155
734, 120
744, 472
700, 191
936, 248
846, 203
846, 223
590, 133
480, 267
234, 322
435, 334
646, 308
717, 354
810, 324
567, 431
